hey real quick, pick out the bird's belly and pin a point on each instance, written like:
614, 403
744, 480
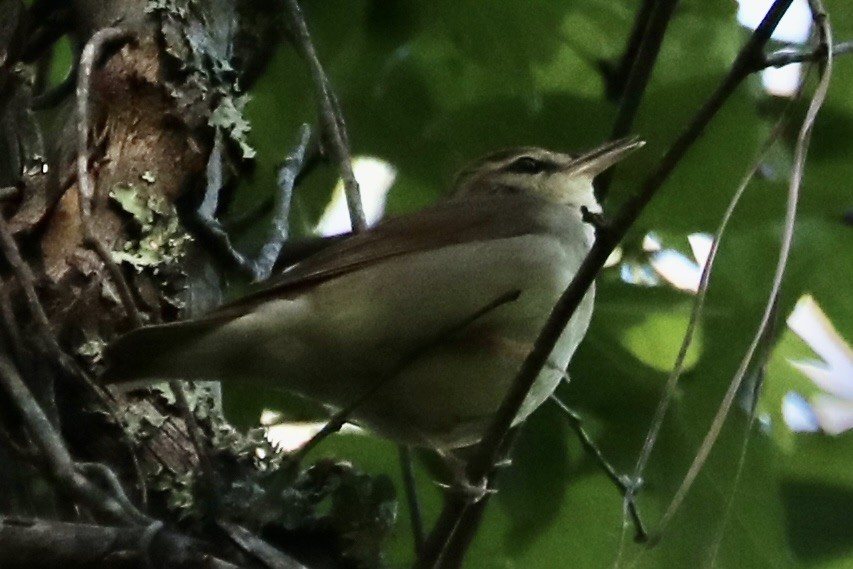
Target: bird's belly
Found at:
418, 339
447, 399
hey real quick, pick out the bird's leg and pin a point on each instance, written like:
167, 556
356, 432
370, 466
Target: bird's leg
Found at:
472, 490
456, 462
260, 267
627, 486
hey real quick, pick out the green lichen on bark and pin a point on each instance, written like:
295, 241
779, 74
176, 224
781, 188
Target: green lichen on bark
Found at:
161, 241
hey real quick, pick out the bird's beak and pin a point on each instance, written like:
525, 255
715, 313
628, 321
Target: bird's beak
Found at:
600, 159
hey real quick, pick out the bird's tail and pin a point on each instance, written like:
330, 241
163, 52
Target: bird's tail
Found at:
155, 353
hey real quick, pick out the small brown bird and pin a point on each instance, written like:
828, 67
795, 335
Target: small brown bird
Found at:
405, 320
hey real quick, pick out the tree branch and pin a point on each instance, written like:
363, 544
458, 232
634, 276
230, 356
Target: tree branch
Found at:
617, 78
259, 549
638, 80
331, 120
37, 544
785, 57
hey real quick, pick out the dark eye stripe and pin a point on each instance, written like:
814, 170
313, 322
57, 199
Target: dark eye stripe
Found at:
529, 165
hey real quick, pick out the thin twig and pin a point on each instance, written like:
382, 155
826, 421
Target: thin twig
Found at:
767, 344
44, 543
785, 57
27, 280
803, 139
698, 308
10, 323
331, 119
638, 80
454, 554
47, 338
85, 184
627, 486
606, 241
48, 341
618, 77
110, 480
260, 267
57, 459
286, 181
641, 70
416, 518
209, 227
25, 277
259, 549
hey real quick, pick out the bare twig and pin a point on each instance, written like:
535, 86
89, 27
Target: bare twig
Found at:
331, 119
286, 180
26, 278
803, 139
85, 184
208, 225
607, 239
638, 79
785, 57
40, 544
57, 459
110, 480
411, 488
260, 267
454, 553
47, 337
617, 78
627, 486
767, 344
258, 548
697, 310
10, 323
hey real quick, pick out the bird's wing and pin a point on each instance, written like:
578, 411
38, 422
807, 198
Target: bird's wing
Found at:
445, 224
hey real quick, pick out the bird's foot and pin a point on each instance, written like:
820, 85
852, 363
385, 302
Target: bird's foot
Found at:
460, 483
472, 492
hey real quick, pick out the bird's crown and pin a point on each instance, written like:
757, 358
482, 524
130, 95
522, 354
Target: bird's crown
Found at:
555, 176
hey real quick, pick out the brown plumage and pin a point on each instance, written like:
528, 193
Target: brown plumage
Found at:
380, 312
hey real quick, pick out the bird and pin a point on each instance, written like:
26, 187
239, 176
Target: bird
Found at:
417, 325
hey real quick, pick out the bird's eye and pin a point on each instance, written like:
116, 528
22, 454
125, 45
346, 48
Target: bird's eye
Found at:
527, 165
